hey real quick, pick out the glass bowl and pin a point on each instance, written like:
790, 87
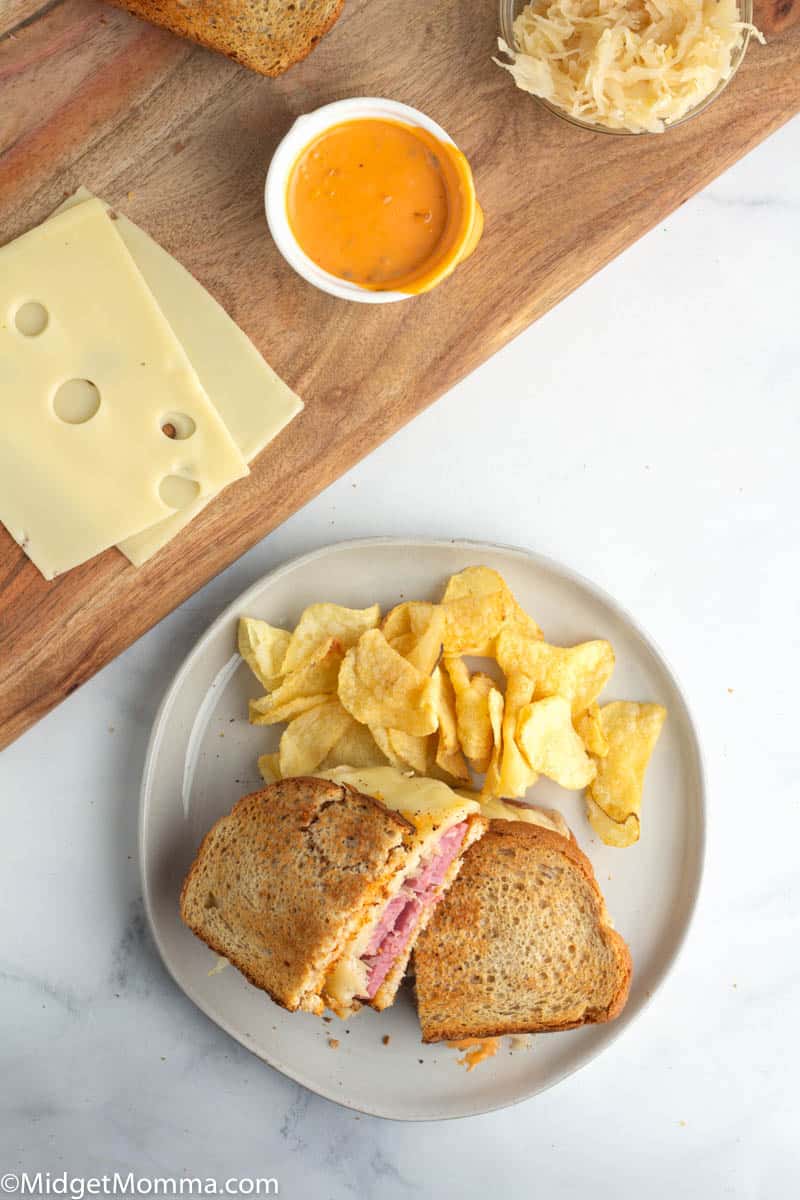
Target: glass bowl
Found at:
509, 10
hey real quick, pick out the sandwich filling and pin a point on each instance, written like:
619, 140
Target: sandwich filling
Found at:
441, 821
402, 914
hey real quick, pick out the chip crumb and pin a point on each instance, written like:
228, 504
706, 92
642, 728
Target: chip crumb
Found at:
327, 1020
682, 1123
730, 691
386, 1038
333, 1043
131, 195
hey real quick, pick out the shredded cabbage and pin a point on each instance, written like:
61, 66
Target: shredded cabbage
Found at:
626, 64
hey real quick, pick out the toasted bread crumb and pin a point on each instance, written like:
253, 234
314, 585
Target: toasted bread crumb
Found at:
333, 1043
386, 1039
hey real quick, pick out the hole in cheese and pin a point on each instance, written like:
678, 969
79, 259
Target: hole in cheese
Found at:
31, 318
178, 426
177, 492
76, 401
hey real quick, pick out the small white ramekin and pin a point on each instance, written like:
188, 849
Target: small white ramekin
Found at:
304, 130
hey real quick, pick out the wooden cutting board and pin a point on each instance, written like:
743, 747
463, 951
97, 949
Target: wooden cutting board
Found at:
180, 139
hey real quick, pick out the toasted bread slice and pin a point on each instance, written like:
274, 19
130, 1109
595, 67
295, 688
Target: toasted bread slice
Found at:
267, 36
280, 884
521, 943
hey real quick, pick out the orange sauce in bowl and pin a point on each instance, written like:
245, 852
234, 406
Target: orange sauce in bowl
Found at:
384, 205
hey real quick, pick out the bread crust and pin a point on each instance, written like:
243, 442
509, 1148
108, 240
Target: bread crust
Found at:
461, 913
278, 884
230, 27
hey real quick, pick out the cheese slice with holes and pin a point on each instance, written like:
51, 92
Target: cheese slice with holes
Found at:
252, 400
69, 490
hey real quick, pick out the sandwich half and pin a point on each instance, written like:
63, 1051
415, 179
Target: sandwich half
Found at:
300, 876
445, 825
522, 943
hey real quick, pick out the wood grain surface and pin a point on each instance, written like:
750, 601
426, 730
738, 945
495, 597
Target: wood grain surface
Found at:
180, 138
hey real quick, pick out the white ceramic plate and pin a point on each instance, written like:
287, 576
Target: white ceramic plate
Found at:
202, 758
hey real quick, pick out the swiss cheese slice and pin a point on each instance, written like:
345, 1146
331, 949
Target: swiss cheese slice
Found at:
70, 490
252, 400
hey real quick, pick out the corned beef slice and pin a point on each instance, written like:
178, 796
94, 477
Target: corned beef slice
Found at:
403, 912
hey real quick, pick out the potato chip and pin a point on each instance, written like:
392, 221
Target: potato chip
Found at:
546, 737
480, 583
413, 752
446, 709
322, 621
453, 764
381, 738
452, 767
356, 748
473, 581
263, 647
590, 730
403, 643
379, 687
397, 622
449, 757
516, 774
525, 623
415, 629
472, 624
269, 766
427, 625
308, 739
631, 731
302, 689
275, 715
578, 673
613, 833
472, 712
496, 705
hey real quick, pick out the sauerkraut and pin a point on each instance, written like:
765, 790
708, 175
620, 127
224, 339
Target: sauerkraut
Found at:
638, 65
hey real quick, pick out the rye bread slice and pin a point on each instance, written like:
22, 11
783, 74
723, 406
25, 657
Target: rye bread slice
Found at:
281, 882
267, 36
522, 943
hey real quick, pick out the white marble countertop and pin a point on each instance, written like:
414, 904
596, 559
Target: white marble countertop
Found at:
647, 433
